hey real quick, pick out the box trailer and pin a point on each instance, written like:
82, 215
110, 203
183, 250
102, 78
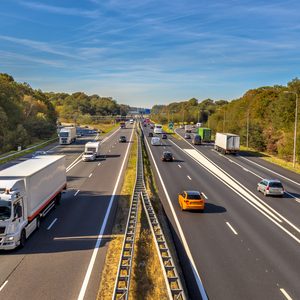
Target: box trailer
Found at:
28, 191
227, 143
205, 134
67, 135
188, 128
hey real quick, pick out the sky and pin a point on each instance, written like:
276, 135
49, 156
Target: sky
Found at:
147, 52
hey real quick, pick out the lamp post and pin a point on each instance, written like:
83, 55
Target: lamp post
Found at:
295, 128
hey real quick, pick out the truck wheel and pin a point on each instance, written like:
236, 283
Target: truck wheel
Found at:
57, 199
23, 239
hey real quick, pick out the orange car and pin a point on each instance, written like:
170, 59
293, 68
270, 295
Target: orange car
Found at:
191, 200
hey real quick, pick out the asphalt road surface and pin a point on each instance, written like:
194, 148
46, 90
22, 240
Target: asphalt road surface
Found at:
64, 258
244, 246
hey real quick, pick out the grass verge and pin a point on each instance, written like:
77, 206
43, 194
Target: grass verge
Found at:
115, 246
273, 159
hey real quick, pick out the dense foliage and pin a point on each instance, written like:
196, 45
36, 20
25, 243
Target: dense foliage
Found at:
28, 115
270, 112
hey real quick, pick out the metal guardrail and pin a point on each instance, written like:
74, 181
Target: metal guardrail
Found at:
172, 280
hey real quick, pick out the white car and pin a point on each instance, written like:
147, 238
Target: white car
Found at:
155, 141
131, 121
89, 156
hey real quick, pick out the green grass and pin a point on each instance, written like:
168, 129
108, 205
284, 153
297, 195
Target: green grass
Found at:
273, 159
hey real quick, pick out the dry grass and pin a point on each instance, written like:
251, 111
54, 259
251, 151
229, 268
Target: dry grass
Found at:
115, 246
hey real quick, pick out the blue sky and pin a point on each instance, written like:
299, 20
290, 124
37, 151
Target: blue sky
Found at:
143, 52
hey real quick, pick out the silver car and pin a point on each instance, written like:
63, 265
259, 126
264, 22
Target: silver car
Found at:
272, 187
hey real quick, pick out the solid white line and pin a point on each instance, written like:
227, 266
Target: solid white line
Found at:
181, 234
102, 229
287, 296
99, 164
90, 175
53, 222
3, 285
76, 192
179, 166
233, 230
189, 177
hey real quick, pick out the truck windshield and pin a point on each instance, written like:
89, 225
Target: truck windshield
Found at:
88, 153
64, 134
5, 210
91, 150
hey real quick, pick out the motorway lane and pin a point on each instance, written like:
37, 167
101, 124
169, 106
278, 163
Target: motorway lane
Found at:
250, 174
54, 262
254, 264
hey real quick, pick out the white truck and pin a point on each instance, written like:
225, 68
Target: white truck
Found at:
158, 129
227, 143
28, 191
67, 135
91, 151
188, 128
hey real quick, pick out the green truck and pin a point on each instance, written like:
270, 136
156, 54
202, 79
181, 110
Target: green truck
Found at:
205, 134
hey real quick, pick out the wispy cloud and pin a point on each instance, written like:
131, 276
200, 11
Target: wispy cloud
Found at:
71, 11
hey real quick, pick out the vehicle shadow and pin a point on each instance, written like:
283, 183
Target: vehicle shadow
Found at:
291, 195
110, 156
211, 208
73, 231
250, 153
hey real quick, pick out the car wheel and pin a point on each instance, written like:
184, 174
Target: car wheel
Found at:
258, 189
265, 194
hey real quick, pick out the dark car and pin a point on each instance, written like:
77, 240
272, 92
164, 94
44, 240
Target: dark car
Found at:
122, 139
187, 136
150, 134
39, 153
196, 139
145, 125
167, 156
164, 136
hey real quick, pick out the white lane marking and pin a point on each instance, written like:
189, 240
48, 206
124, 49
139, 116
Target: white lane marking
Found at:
102, 229
295, 182
204, 196
3, 285
53, 222
77, 160
245, 169
179, 166
99, 164
108, 150
233, 230
164, 147
298, 200
239, 189
189, 177
90, 175
181, 234
53, 148
76, 193
287, 296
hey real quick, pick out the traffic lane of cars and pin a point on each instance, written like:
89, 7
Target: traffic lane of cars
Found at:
241, 218
287, 206
69, 242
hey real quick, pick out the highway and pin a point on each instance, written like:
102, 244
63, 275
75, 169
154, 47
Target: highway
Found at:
244, 246
64, 258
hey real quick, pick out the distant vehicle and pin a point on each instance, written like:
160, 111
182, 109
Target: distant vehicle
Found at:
164, 136
38, 153
187, 136
151, 126
86, 126
191, 200
188, 128
150, 134
122, 125
122, 139
28, 191
131, 121
205, 134
67, 135
167, 156
155, 141
181, 126
157, 128
198, 125
91, 151
270, 187
227, 143
196, 140
145, 125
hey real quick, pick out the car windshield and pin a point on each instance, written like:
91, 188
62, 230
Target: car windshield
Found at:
193, 196
5, 210
88, 153
275, 184
64, 134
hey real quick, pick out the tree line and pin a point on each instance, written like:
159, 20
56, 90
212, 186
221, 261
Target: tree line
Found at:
266, 113
28, 115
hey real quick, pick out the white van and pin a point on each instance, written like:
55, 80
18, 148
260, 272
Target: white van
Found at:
155, 141
91, 151
157, 128
131, 121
